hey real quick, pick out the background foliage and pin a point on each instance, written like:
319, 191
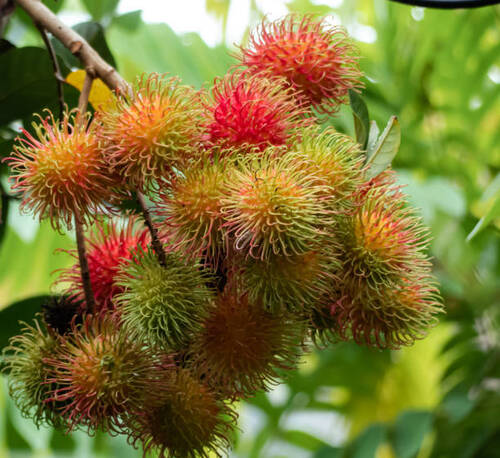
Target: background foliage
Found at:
439, 72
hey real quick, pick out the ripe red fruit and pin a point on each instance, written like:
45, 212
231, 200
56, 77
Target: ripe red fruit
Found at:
318, 61
109, 247
252, 112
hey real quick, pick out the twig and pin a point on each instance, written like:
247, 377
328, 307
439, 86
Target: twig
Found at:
155, 240
83, 100
84, 265
92, 61
55, 66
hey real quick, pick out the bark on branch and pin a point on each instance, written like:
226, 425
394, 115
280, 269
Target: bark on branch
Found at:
94, 64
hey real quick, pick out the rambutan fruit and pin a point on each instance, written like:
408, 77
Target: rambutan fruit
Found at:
293, 282
29, 373
190, 422
191, 209
244, 348
384, 240
336, 161
396, 316
61, 171
154, 130
163, 306
273, 207
109, 247
319, 61
103, 374
248, 112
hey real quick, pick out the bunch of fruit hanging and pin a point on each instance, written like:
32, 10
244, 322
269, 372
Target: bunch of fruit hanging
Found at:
266, 232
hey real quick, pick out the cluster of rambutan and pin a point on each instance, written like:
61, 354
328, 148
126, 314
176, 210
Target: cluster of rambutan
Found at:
271, 235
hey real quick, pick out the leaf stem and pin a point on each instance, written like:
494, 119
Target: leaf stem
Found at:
84, 265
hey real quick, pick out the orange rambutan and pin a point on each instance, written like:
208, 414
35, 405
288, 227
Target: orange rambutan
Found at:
61, 171
272, 208
191, 209
189, 422
148, 134
318, 61
103, 374
109, 247
251, 112
244, 348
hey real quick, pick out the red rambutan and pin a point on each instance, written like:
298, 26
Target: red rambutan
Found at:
109, 247
318, 61
244, 348
153, 131
190, 421
252, 112
62, 172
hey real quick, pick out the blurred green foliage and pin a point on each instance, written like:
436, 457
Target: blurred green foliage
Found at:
439, 72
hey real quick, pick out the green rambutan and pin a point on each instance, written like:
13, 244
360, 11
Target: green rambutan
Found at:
191, 209
152, 132
29, 374
62, 172
273, 207
103, 374
163, 306
244, 348
293, 282
336, 161
190, 421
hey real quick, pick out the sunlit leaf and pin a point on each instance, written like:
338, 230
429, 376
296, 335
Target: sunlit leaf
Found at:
100, 94
385, 149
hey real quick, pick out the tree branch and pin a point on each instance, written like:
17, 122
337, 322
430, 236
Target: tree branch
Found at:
92, 61
55, 66
83, 100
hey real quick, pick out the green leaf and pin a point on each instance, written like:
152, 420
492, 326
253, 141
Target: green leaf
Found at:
11, 316
128, 21
361, 119
385, 149
93, 32
328, 452
302, 439
4, 212
367, 443
100, 8
372, 137
409, 432
491, 200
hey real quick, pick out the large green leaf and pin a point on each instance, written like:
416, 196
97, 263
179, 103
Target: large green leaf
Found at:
98, 9
409, 432
367, 443
491, 202
11, 316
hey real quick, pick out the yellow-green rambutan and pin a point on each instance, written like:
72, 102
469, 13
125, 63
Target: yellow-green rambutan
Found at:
149, 133
245, 112
190, 421
244, 348
61, 171
336, 161
163, 306
191, 209
109, 246
318, 61
292, 282
273, 207
103, 374
29, 375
